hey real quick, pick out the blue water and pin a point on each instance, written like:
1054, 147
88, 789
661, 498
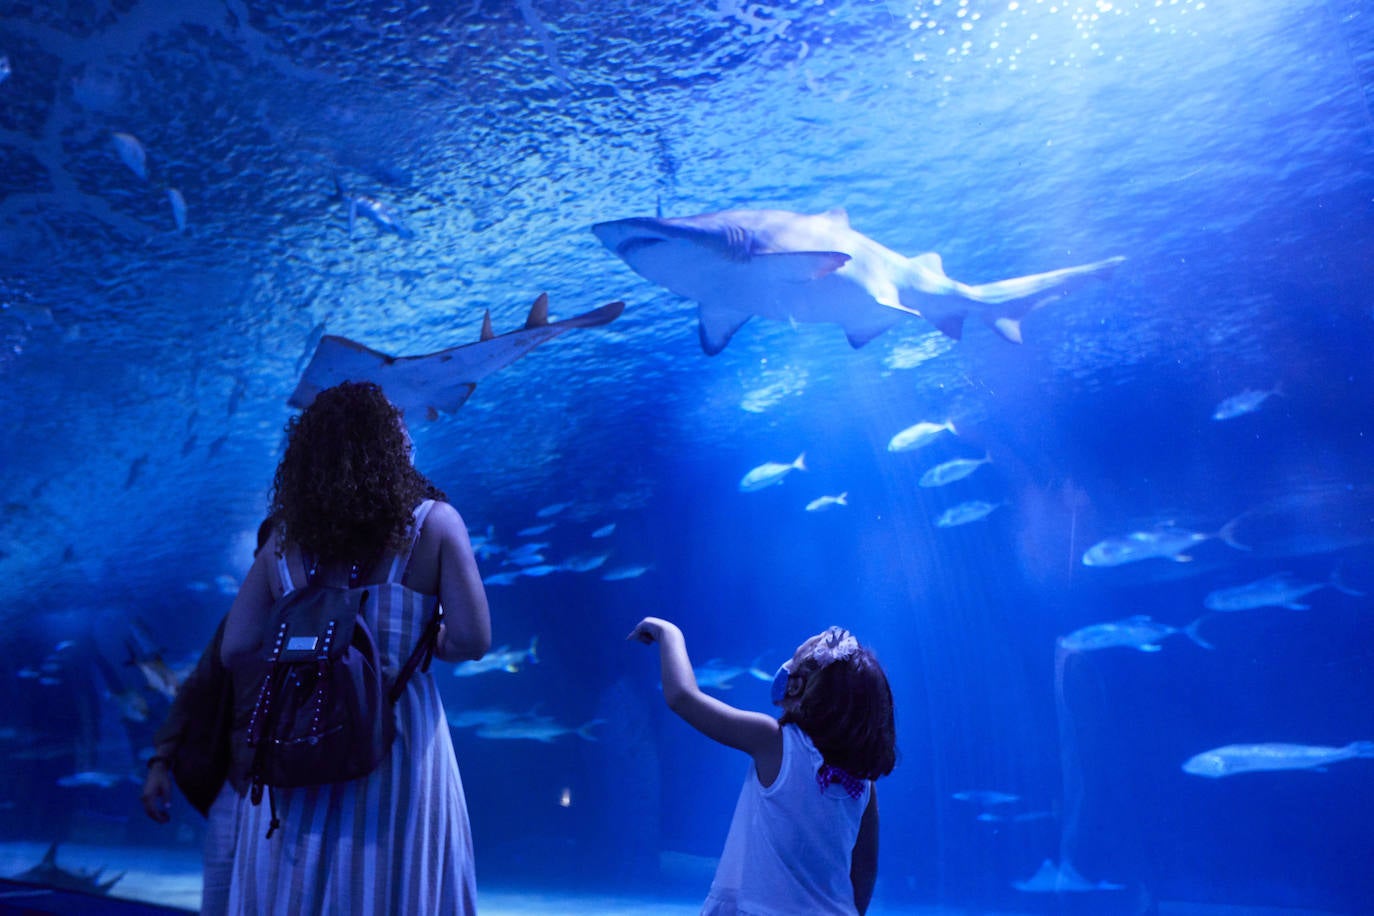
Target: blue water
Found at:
1224, 148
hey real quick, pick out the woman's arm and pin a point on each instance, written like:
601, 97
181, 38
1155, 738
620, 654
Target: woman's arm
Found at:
248, 614
756, 734
466, 630
863, 867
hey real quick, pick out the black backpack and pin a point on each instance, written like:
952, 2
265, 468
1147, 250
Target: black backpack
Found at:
322, 708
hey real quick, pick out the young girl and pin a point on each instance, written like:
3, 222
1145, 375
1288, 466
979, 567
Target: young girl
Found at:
804, 838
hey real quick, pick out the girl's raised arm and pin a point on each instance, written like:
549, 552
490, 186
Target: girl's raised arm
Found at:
756, 734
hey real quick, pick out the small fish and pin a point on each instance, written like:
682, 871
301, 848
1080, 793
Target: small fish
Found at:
502, 578
604, 531
950, 471
717, 675
131, 152
1021, 817
528, 549
155, 671
91, 778
525, 559
380, 213
4, 67
541, 728
132, 705
502, 659
551, 510
821, 503
178, 208
1161, 541
1248, 401
533, 531
135, 470
1138, 632
966, 512
772, 472
472, 718
585, 562
918, 436
1250, 758
1279, 590
626, 572
542, 569
986, 798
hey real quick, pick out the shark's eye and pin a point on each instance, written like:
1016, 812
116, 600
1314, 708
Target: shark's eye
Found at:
637, 243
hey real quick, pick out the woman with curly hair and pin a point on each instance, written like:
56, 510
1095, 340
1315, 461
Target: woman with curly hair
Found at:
351, 510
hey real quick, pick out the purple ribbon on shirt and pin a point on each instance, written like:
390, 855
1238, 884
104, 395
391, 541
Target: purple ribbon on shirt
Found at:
851, 784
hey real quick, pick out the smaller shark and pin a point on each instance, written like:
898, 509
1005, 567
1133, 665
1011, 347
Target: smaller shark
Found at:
443, 381
814, 268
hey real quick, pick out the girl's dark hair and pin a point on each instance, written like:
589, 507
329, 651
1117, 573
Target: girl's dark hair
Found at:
345, 490
846, 711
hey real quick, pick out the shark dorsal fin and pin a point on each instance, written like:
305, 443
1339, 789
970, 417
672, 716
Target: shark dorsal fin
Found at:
487, 332
716, 327
539, 312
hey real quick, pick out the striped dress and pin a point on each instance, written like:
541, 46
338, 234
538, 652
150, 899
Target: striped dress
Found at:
395, 841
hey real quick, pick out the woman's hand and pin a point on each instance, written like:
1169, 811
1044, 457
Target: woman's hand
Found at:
651, 630
157, 792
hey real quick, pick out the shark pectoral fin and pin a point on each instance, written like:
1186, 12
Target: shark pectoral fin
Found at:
539, 312
800, 266
857, 337
1008, 327
716, 327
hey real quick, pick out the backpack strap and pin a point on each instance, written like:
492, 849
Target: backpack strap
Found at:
401, 562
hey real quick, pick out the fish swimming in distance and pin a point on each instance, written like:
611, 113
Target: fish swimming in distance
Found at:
503, 659
985, 798
962, 514
717, 675
918, 436
1279, 590
1138, 632
821, 503
92, 778
443, 381
950, 471
538, 728
178, 208
770, 473
158, 675
1247, 401
604, 531
1164, 540
131, 153
1251, 758
787, 266
377, 211
633, 571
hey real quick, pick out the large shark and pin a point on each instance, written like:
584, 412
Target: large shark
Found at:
437, 382
797, 267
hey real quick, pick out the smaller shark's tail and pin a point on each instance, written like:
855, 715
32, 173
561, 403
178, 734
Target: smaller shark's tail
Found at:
1191, 631
585, 730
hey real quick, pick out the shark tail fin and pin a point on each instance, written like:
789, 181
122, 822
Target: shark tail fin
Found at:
1191, 631
539, 312
1338, 583
534, 649
1061, 281
800, 463
585, 731
487, 332
1228, 534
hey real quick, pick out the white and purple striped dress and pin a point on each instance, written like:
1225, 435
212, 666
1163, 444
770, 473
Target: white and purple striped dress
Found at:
394, 841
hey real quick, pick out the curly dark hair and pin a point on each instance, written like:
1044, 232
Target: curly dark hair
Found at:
846, 711
345, 490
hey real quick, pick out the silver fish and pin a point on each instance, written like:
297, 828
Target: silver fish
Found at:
604, 531
1160, 541
131, 153
1250, 758
769, 473
626, 572
717, 675
1279, 590
950, 471
918, 436
966, 512
1138, 632
985, 798
1247, 401
502, 659
540, 728
821, 503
